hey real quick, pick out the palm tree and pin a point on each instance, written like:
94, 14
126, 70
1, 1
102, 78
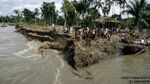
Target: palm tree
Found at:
106, 6
19, 15
69, 13
121, 3
93, 14
85, 7
146, 13
135, 8
36, 14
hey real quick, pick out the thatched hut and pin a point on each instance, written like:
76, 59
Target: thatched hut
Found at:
106, 22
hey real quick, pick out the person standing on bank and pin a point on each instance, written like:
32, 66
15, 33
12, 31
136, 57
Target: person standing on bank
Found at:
53, 27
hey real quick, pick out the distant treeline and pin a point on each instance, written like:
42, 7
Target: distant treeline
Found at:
83, 12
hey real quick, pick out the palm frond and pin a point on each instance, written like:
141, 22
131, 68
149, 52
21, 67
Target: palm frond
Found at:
143, 21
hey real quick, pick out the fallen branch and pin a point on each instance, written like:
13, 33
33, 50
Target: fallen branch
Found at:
145, 49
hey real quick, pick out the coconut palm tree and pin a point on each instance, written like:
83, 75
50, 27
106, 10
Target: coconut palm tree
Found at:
18, 14
121, 3
93, 13
36, 14
69, 13
106, 6
86, 8
79, 7
136, 8
146, 12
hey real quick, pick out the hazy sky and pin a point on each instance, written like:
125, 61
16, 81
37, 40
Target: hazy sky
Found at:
7, 6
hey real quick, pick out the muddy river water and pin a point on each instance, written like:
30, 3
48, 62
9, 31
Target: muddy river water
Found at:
20, 64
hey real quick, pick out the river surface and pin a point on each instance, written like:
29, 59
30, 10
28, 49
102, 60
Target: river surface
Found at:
20, 64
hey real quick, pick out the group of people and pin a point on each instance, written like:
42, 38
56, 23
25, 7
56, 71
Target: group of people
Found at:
88, 34
85, 33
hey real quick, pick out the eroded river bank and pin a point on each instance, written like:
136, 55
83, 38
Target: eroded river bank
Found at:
20, 64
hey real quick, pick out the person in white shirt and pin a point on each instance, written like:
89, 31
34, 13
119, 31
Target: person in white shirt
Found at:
142, 41
87, 29
71, 30
65, 30
81, 33
53, 27
93, 33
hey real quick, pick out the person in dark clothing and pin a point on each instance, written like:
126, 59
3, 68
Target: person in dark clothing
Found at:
77, 34
93, 33
88, 38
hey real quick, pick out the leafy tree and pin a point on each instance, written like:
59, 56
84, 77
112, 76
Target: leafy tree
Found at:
7, 18
28, 15
60, 20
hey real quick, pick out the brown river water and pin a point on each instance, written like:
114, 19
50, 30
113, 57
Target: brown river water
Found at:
20, 64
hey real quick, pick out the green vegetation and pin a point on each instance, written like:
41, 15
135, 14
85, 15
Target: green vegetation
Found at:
83, 12
136, 9
48, 12
69, 12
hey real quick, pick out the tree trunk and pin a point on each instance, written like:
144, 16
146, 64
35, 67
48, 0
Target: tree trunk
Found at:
137, 26
65, 21
78, 19
120, 12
